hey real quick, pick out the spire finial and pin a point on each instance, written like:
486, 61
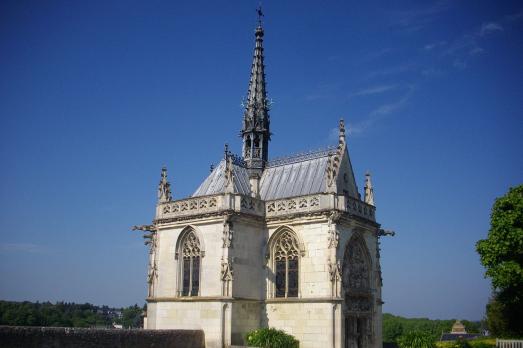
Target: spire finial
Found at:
164, 188
369, 191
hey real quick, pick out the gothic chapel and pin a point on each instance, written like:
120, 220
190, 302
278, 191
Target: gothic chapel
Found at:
285, 243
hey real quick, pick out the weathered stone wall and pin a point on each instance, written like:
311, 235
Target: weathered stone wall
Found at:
245, 317
60, 337
310, 323
210, 316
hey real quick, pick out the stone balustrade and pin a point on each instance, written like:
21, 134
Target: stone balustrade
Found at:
274, 208
356, 207
208, 205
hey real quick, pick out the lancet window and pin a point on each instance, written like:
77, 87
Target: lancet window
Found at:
190, 268
286, 261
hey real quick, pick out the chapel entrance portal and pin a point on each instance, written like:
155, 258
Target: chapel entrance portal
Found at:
357, 332
358, 296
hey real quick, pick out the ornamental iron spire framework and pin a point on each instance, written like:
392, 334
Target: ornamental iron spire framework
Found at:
255, 131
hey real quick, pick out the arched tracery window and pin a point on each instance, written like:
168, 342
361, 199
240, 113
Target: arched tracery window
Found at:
286, 257
358, 272
190, 264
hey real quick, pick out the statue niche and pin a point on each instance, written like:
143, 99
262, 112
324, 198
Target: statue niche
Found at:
358, 294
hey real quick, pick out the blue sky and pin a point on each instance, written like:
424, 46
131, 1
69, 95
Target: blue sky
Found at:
96, 96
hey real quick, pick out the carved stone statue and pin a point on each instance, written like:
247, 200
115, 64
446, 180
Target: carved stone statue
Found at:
369, 191
334, 234
164, 188
226, 276
227, 232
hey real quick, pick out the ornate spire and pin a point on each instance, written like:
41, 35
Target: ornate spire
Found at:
164, 188
255, 130
369, 191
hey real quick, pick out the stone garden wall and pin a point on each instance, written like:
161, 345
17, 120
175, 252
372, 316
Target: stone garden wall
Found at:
59, 337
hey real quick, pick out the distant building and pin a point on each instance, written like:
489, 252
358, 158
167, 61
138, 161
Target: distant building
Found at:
458, 332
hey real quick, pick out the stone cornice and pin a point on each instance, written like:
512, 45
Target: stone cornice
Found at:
241, 299
200, 299
304, 300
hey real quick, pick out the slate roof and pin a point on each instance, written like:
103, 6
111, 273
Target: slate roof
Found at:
291, 176
215, 182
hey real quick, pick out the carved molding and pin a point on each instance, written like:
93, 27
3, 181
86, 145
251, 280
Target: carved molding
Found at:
227, 273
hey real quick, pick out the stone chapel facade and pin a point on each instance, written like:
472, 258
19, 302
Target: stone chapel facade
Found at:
285, 243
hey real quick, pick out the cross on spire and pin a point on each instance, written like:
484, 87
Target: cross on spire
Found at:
260, 15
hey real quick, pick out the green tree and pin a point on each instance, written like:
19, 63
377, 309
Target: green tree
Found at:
132, 316
502, 255
392, 328
417, 339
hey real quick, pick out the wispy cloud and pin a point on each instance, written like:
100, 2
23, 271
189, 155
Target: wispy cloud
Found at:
470, 44
22, 248
392, 70
373, 90
432, 72
324, 91
431, 46
490, 27
416, 19
380, 113
514, 17
377, 54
